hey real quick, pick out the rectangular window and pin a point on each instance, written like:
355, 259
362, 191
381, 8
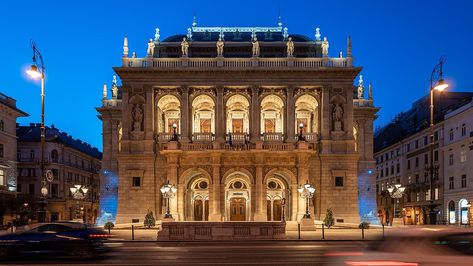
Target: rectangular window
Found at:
427, 194
387, 171
392, 169
425, 140
436, 136
450, 159
463, 130
417, 178
31, 189
417, 196
54, 190
339, 181
451, 184
398, 168
18, 188
451, 134
408, 164
2, 177
408, 147
382, 173
436, 155
136, 181
417, 161
436, 193
1, 151
463, 181
463, 156
426, 158
417, 144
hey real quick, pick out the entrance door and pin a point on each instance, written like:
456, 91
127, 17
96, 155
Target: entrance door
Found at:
277, 210
238, 209
198, 210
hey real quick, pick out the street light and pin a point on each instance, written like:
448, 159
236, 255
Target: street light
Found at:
437, 83
168, 192
37, 71
396, 192
307, 192
300, 137
174, 134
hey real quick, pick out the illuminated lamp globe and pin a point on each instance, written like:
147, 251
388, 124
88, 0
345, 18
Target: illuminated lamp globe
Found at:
33, 72
441, 85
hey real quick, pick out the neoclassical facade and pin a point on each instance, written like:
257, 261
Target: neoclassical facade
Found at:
237, 118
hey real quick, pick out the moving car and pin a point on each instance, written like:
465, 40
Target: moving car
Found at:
61, 238
412, 247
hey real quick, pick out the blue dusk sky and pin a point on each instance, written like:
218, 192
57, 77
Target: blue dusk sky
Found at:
396, 42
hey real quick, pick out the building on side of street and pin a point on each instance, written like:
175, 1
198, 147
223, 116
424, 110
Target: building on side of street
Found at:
458, 165
237, 119
402, 157
8, 165
71, 161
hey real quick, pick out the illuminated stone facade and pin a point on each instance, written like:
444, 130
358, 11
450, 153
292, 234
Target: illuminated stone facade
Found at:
239, 151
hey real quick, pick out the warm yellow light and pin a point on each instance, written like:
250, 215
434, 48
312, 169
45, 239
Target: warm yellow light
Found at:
33, 72
441, 85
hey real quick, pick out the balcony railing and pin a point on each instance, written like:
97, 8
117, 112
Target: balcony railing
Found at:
202, 137
165, 137
277, 137
241, 63
237, 137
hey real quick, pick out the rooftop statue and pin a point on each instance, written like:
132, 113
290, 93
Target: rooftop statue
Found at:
184, 47
114, 88
317, 34
255, 47
133, 55
157, 35
325, 47
150, 51
361, 88
220, 45
290, 47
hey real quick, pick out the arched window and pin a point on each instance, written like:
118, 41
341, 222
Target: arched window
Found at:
464, 206
272, 117
168, 113
307, 114
451, 212
203, 113
238, 112
54, 156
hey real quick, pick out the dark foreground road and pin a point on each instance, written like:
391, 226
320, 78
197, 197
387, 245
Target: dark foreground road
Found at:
212, 253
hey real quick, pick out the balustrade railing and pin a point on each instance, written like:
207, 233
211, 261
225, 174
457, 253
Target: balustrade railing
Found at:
283, 62
278, 146
272, 137
196, 146
203, 137
237, 137
165, 137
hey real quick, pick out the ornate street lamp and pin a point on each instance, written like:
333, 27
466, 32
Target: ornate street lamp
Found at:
174, 133
437, 83
79, 192
396, 193
168, 191
300, 137
306, 192
37, 71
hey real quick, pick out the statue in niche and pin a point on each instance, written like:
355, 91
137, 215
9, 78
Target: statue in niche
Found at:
150, 51
337, 117
114, 91
325, 46
185, 47
290, 47
255, 47
220, 45
137, 117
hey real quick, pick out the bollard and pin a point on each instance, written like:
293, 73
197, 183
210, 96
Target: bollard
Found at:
362, 233
132, 232
323, 231
299, 231
383, 228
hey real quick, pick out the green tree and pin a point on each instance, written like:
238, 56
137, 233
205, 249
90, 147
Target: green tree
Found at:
329, 221
149, 219
108, 226
364, 225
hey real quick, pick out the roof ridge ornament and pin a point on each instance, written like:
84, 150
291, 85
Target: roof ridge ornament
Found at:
317, 34
279, 20
125, 47
157, 35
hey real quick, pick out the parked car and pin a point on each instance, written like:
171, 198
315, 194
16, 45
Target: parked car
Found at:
59, 238
415, 246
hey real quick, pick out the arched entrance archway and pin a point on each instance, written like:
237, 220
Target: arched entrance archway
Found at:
237, 197
276, 190
463, 211
451, 212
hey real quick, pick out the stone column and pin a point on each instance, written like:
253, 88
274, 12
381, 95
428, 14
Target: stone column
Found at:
216, 213
294, 201
185, 121
148, 122
348, 113
220, 116
326, 121
180, 198
290, 114
255, 114
303, 177
259, 214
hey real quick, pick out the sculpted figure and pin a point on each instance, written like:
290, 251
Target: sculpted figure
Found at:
220, 45
337, 116
137, 117
325, 46
255, 47
290, 47
361, 91
184, 47
150, 51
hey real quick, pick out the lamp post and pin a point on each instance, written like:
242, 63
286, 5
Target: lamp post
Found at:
437, 83
37, 71
396, 193
307, 192
300, 137
174, 133
79, 193
168, 192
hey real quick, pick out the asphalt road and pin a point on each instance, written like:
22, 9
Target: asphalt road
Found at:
212, 253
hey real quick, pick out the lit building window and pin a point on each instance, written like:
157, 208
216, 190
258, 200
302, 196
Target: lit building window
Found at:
450, 159
463, 130
2, 177
463, 181
451, 134
451, 183
462, 156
